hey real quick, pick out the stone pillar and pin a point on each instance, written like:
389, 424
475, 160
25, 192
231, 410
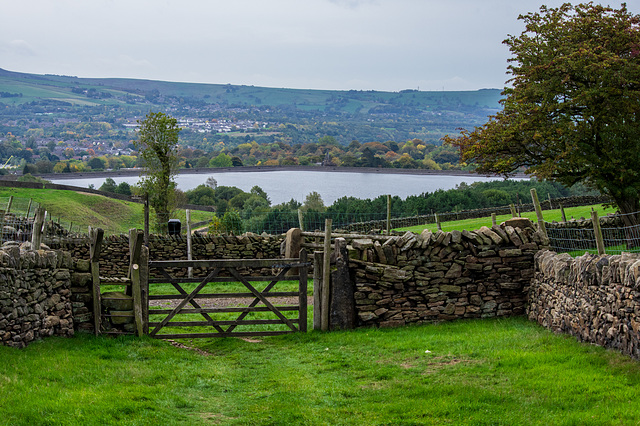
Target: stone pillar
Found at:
343, 308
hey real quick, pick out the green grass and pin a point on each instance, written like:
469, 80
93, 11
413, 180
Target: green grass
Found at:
491, 372
84, 209
473, 224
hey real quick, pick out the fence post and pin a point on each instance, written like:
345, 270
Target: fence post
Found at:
564, 217
326, 275
29, 208
146, 219
9, 204
598, 232
301, 219
536, 203
95, 245
438, 221
388, 214
493, 219
513, 210
36, 236
189, 254
317, 290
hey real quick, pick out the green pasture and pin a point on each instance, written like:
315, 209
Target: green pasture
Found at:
82, 210
473, 224
482, 372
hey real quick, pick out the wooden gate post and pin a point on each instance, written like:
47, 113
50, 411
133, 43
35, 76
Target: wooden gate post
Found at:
136, 242
302, 294
317, 290
95, 245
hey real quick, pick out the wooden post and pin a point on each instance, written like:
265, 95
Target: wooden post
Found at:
536, 204
301, 219
36, 236
2, 222
388, 214
326, 275
317, 290
144, 287
189, 254
493, 219
438, 221
564, 216
95, 245
302, 294
9, 204
598, 232
29, 208
136, 242
146, 219
513, 210
136, 239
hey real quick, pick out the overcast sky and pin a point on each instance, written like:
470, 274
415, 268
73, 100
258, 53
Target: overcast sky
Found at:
311, 44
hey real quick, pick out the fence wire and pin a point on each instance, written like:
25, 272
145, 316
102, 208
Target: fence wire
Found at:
578, 238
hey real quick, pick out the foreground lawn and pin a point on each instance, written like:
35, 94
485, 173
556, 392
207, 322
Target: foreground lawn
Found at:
507, 371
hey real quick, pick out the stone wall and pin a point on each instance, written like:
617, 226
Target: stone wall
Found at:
595, 298
35, 295
114, 257
444, 276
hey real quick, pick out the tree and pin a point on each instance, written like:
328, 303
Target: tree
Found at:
109, 185
313, 202
157, 145
571, 113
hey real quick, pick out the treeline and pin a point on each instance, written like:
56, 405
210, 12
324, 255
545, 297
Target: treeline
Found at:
412, 154
239, 211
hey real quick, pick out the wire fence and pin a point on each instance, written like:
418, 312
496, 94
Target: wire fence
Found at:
580, 237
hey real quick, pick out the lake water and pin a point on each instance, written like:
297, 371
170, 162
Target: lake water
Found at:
282, 186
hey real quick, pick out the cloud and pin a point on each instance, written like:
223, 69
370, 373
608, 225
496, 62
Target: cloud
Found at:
19, 47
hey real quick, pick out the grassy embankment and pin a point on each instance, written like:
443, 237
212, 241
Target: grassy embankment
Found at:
84, 209
508, 371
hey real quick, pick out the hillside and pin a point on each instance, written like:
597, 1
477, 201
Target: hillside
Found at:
247, 112
82, 210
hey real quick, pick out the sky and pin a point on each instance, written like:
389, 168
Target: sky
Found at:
387, 45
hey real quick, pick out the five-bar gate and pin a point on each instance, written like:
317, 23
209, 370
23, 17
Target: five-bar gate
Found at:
265, 312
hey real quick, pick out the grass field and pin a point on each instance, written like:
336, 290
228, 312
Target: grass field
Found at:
84, 209
549, 216
484, 372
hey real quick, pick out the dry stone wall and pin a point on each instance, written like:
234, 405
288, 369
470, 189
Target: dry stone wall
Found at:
444, 275
114, 257
35, 295
595, 298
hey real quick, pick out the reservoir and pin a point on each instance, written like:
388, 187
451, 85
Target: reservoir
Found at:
283, 185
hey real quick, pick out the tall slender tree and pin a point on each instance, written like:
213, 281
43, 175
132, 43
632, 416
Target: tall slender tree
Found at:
157, 145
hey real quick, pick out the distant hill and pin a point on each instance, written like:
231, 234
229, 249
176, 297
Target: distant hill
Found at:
297, 115
35, 87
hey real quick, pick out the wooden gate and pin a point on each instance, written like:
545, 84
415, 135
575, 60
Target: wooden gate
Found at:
250, 302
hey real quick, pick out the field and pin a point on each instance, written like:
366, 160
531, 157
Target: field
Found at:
549, 216
507, 371
82, 210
